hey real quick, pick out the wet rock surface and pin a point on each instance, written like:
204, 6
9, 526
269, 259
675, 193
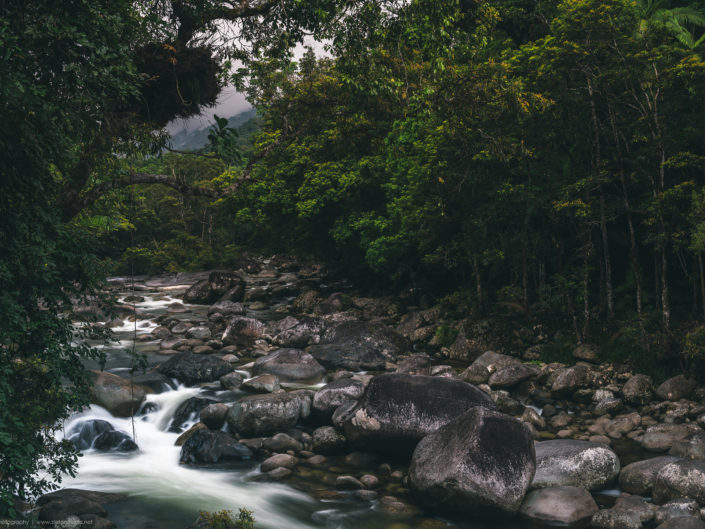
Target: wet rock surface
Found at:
564, 506
397, 410
577, 463
482, 460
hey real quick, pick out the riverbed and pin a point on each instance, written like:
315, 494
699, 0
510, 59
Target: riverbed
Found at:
164, 494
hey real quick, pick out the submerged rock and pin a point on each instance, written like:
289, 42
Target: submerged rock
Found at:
564, 506
114, 441
188, 411
193, 369
396, 411
480, 462
100, 435
211, 446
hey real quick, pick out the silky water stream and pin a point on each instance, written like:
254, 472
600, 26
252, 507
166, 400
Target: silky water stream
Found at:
163, 494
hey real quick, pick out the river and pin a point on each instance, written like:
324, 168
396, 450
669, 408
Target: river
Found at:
163, 494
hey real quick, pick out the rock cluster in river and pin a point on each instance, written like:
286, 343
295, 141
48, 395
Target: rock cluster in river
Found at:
505, 434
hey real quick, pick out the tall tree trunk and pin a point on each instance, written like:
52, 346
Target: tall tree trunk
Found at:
478, 282
606, 256
597, 163
702, 281
586, 290
633, 252
525, 278
665, 307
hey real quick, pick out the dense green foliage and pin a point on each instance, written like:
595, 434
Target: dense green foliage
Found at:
546, 156
224, 520
49, 94
85, 87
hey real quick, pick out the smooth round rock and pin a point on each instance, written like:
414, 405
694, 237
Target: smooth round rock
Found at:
261, 384
512, 375
584, 464
639, 477
682, 479
279, 460
290, 365
638, 390
567, 506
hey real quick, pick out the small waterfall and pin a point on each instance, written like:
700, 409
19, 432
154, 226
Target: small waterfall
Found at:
153, 473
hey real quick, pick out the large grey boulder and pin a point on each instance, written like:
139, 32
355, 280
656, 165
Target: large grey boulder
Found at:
639, 477
681, 479
358, 345
676, 388
116, 394
297, 332
263, 415
328, 440
638, 390
482, 460
566, 462
512, 375
571, 380
199, 292
242, 330
564, 506
485, 365
336, 393
661, 437
212, 446
193, 369
218, 284
290, 365
73, 507
587, 353
396, 410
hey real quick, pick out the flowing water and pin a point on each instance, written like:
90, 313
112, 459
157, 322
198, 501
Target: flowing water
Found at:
163, 494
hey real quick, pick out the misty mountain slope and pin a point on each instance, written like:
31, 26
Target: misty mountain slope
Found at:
246, 123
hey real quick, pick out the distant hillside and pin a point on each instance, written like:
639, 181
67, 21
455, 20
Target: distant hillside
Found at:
246, 123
